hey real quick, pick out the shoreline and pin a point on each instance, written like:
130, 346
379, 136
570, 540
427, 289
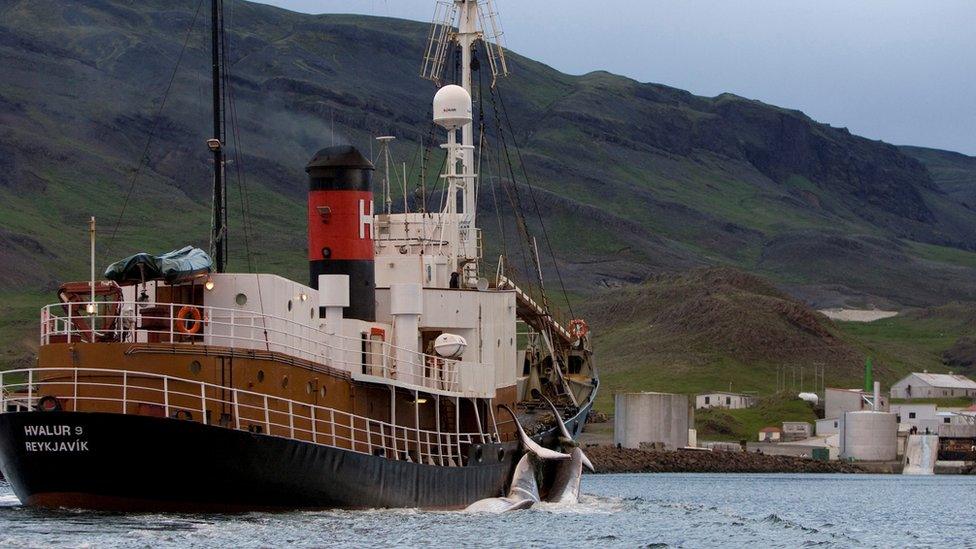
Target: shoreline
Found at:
610, 459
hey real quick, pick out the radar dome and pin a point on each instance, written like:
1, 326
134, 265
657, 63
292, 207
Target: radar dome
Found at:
452, 107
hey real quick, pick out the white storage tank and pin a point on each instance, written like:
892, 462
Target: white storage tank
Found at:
651, 418
869, 436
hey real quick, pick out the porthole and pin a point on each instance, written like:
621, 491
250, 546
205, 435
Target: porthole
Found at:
309, 388
501, 454
260, 376
195, 367
289, 305
478, 455
322, 391
240, 299
311, 313
284, 382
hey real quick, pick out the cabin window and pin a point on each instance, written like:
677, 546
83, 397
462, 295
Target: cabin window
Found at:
309, 388
311, 313
260, 376
240, 299
322, 391
195, 367
289, 305
284, 382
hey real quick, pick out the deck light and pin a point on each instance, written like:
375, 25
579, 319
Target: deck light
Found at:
209, 284
90, 308
304, 297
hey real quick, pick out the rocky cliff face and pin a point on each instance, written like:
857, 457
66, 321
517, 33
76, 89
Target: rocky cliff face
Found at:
632, 179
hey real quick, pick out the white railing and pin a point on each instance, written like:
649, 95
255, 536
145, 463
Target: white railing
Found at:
365, 358
140, 393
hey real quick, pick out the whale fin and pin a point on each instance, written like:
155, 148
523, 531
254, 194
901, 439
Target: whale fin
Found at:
566, 438
531, 445
522, 495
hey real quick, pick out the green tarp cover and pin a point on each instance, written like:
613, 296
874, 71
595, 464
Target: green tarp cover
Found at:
173, 267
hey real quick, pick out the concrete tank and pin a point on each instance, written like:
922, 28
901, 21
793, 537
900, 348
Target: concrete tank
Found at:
651, 418
869, 436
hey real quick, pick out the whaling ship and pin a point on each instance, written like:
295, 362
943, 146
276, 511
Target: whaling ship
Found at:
399, 376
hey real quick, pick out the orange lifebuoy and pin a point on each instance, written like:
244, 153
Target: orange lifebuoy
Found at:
192, 314
579, 328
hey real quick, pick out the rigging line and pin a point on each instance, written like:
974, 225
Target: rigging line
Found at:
486, 145
535, 203
514, 197
225, 241
143, 160
246, 224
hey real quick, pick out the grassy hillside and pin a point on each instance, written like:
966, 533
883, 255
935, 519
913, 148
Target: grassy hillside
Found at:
721, 329
744, 424
633, 180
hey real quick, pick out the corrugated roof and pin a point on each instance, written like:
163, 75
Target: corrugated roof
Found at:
946, 381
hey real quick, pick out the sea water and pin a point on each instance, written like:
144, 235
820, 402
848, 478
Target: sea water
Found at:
649, 510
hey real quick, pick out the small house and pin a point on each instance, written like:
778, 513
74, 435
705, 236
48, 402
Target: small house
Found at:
770, 434
722, 399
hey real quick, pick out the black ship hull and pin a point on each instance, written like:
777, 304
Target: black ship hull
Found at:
130, 463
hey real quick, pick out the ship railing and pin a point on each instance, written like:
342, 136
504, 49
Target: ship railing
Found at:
368, 357
158, 395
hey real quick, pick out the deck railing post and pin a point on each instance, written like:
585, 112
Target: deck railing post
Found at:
332, 423
291, 419
203, 404
125, 392
74, 399
30, 389
267, 416
315, 438
69, 330
369, 438
237, 410
166, 395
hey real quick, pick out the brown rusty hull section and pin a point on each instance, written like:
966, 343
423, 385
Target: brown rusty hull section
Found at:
126, 463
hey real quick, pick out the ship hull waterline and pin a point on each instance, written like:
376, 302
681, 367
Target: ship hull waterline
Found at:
139, 463
116, 462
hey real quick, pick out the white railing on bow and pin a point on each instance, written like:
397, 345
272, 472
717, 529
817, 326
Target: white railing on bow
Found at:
140, 393
364, 357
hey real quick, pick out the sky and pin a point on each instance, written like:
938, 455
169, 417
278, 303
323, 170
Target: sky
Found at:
903, 71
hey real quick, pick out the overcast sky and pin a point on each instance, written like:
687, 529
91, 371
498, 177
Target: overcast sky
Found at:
899, 70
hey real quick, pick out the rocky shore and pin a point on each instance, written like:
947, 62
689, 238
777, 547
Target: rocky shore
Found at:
609, 459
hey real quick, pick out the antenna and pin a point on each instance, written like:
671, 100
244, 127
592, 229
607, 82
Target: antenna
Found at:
384, 153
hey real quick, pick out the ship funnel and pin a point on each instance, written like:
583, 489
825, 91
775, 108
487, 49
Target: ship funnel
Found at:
340, 225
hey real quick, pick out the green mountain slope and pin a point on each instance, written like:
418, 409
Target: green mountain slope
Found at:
632, 179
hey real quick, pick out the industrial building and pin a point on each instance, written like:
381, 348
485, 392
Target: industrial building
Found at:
923, 417
796, 430
652, 419
926, 385
839, 401
721, 399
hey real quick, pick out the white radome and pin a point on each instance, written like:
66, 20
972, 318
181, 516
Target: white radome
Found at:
452, 107
450, 345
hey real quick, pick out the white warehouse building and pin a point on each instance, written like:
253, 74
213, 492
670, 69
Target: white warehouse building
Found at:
721, 399
926, 385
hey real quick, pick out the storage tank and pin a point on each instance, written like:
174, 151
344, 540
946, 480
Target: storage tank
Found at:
869, 436
651, 418
340, 225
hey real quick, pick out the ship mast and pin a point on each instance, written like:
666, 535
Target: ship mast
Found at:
475, 20
218, 235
